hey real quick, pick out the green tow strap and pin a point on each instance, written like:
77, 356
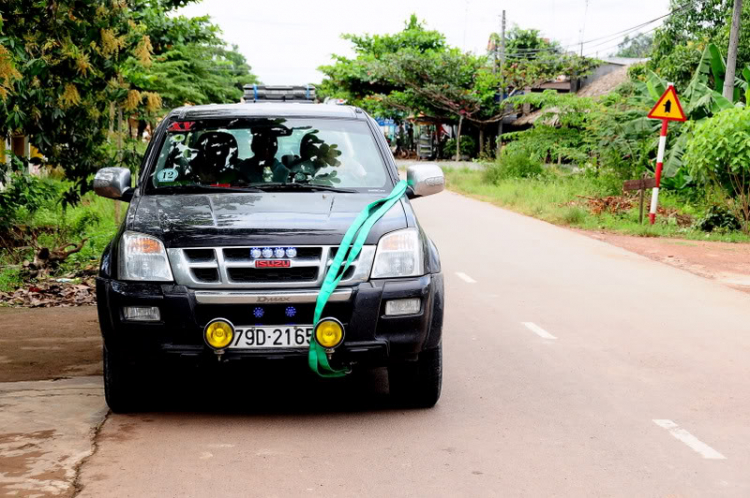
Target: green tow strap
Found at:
317, 358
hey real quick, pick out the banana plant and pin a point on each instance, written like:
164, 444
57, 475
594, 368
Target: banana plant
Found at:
700, 100
744, 84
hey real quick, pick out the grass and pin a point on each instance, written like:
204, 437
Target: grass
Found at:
10, 279
548, 198
93, 218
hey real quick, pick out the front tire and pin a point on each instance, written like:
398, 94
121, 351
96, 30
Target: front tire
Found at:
418, 384
120, 391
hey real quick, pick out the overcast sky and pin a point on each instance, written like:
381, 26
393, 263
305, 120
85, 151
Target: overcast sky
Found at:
286, 40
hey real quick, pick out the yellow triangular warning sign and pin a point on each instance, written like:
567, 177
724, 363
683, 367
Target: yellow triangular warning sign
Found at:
668, 107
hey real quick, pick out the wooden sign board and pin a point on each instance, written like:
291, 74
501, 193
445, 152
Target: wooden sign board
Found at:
643, 183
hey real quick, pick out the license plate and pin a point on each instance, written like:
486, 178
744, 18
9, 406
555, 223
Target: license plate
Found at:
272, 336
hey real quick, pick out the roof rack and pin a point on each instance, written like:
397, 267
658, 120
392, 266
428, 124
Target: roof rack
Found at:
278, 93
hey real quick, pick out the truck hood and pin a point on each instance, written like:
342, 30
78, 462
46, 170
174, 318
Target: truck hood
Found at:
280, 218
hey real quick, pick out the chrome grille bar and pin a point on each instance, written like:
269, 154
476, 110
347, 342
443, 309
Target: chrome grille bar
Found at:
294, 297
183, 268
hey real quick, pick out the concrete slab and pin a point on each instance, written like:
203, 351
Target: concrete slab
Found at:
46, 432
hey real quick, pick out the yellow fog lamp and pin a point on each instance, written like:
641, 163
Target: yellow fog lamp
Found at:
329, 333
219, 333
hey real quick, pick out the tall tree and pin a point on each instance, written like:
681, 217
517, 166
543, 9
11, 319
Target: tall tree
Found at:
638, 46
356, 81
65, 57
70, 68
525, 43
679, 43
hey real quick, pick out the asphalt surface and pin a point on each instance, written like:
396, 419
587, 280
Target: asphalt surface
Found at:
572, 368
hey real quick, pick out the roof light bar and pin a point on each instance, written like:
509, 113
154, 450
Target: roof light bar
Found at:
278, 93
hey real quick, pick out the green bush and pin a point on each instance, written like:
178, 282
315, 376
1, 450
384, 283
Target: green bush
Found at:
25, 193
637, 72
718, 152
468, 146
514, 162
718, 217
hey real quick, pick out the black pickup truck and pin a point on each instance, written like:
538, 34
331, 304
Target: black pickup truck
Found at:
237, 213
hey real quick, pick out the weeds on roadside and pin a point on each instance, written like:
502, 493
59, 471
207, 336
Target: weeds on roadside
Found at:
555, 195
513, 162
47, 224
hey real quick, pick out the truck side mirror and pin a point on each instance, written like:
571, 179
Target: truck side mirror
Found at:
113, 183
425, 179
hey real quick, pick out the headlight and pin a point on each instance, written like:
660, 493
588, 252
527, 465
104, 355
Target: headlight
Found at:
142, 257
399, 254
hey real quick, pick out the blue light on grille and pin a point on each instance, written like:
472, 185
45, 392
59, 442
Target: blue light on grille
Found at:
279, 252
267, 252
258, 312
291, 311
255, 253
291, 252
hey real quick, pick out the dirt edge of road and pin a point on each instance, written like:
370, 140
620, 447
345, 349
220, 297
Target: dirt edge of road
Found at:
725, 262
49, 343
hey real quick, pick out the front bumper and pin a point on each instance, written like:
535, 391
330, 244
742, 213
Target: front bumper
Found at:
371, 337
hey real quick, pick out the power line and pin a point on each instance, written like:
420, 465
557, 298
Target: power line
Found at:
618, 44
561, 55
643, 25
607, 38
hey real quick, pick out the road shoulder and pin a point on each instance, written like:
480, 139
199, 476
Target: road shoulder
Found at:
48, 428
724, 262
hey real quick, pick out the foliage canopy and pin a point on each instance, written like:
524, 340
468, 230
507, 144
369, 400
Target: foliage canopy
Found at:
64, 64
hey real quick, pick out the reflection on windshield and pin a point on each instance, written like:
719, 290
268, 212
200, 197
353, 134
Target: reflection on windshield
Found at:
253, 152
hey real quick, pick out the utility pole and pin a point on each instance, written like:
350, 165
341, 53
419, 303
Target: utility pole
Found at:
581, 33
583, 28
734, 40
502, 41
499, 142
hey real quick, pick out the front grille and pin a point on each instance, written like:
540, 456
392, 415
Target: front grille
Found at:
206, 274
245, 275
200, 255
234, 268
235, 254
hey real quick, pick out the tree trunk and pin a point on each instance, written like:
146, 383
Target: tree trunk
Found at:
458, 138
481, 139
734, 40
499, 141
119, 157
142, 124
111, 130
119, 134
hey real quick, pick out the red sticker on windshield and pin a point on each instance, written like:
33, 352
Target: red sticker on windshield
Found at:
181, 126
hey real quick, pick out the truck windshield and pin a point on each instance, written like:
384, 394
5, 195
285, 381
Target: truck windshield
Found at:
253, 152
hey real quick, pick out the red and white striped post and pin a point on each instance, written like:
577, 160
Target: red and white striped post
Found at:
667, 109
659, 166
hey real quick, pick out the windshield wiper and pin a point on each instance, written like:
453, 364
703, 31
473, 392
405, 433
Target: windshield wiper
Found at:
303, 186
200, 189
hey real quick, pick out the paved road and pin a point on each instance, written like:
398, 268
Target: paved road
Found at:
405, 163
573, 368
